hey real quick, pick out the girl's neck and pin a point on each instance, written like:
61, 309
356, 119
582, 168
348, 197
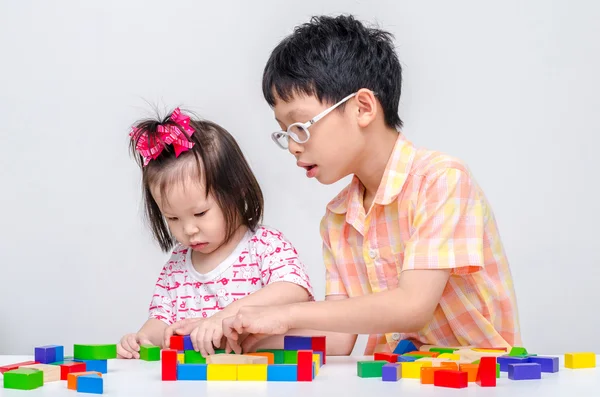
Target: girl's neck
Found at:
204, 263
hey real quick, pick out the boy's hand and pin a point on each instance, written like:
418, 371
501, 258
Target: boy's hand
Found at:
257, 321
208, 335
181, 327
129, 346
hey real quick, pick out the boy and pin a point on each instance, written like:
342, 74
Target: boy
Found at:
411, 246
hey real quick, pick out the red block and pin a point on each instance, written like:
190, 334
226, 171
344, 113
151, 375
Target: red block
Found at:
10, 367
67, 368
319, 345
389, 357
450, 378
486, 374
305, 365
169, 364
176, 343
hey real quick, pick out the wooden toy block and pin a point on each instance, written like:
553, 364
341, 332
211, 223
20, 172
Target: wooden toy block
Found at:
317, 362
95, 365
95, 352
193, 357
391, 372
407, 359
417, 356
453, 365
450, 356
449, 378
277, 354
442, 350
187, 343
252, 372
518, 352
413, 370
471, 370
51, 372
505, 360
480, 350
72, 378
169, 364
305, 365
549, 364
191, 371
90, 384
370, 369
176, 343
49, 354
525, 371
296, 342
427, 374
10, 367
436, 362
470, 355
290, 357
149, 353
321, 358
70, 367
23, 379
580, 360
282, 373
181, 357
270, 356
236, 359
389, 357
404, 346
221, 372
486, 373
319, 344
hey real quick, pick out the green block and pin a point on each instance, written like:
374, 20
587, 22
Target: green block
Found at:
95, 352
370, 369
23, 379
442, 350
518, 352
149, 353
278, 355
290, 356
193, 357
219, 351
498, 371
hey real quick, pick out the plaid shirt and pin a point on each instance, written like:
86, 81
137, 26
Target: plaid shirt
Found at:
428, 213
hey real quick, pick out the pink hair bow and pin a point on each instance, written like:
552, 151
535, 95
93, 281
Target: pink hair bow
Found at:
169, 135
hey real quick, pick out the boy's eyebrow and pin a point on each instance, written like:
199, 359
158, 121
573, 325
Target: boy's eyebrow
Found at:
293, 114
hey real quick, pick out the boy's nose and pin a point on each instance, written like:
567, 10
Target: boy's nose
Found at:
294, 147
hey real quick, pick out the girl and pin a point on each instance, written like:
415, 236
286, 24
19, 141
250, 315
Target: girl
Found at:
204, 205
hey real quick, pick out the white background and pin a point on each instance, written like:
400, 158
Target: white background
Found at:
510, 87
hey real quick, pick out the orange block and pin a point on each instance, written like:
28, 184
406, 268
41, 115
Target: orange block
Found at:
270, 356
72, 378
471, 370
427, 374
423, 353
450, 365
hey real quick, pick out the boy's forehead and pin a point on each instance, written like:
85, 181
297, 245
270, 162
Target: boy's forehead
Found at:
295, 107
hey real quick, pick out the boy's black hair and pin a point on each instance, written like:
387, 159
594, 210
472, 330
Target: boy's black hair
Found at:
332, 57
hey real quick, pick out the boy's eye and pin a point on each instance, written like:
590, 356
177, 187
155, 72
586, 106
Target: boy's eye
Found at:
199, 214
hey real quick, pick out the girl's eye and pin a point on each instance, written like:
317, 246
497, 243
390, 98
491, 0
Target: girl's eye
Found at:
199, 214
172, 219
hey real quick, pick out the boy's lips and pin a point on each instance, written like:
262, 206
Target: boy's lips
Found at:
311, 169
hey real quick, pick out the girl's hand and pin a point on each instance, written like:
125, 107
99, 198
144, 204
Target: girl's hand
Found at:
181, 327
208, 335
129, 346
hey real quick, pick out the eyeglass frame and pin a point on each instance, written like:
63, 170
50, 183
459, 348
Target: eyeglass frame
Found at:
304, 126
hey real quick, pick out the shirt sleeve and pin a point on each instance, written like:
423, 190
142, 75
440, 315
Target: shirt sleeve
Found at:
280, 262
333, 282
447, 230
161, 305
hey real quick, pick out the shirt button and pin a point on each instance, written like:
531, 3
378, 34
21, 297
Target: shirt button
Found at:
372, 254
395, 336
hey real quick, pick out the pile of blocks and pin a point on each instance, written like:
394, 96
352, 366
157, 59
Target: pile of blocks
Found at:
299, 361
82, 372
457, 367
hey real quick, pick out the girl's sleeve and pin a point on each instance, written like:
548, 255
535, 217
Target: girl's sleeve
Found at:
161, 305
279, 261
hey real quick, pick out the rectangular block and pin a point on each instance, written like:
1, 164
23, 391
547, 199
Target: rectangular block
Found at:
389, 357
548, 364
95, 352
317, 363
391, 372
370, 369
176, 343
193, 357
10, 367
23, 379
181, 357
580, 360
51, 372
319, 344
442, 350
277, 354
149, 353
305, 365
486, 373
235, 359
90, 384
191, 371
453, 365
49, 354
72, 378
419, 353
413, 370
95, 365
293, 342
427, 374
252, 372
268, 355
187, 343
471, 370
450, 356
70, 367
404, 346
221, 372
452, 379
169, 365
290, 357
282, 373
505, 360
321, 358
525, 371
407, 359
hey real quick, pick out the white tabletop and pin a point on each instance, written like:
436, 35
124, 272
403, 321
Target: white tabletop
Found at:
338, 377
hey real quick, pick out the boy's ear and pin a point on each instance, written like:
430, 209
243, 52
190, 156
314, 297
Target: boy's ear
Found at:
367, 107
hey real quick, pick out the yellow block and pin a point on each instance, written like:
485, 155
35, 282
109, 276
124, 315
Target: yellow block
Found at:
450, 356
317, 361
412, 370
252, 372
181, 358
490, 351
580, 360
221, 372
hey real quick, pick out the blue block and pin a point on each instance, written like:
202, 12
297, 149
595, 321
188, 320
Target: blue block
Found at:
524, 371
291, 342
191, 371
95, 365
282, 373
90, 384
504, 361
187, 343
406, 359
549, 364
391, 372
49, 354
405, 346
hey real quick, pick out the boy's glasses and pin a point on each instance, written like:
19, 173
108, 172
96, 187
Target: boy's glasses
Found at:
299, 131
